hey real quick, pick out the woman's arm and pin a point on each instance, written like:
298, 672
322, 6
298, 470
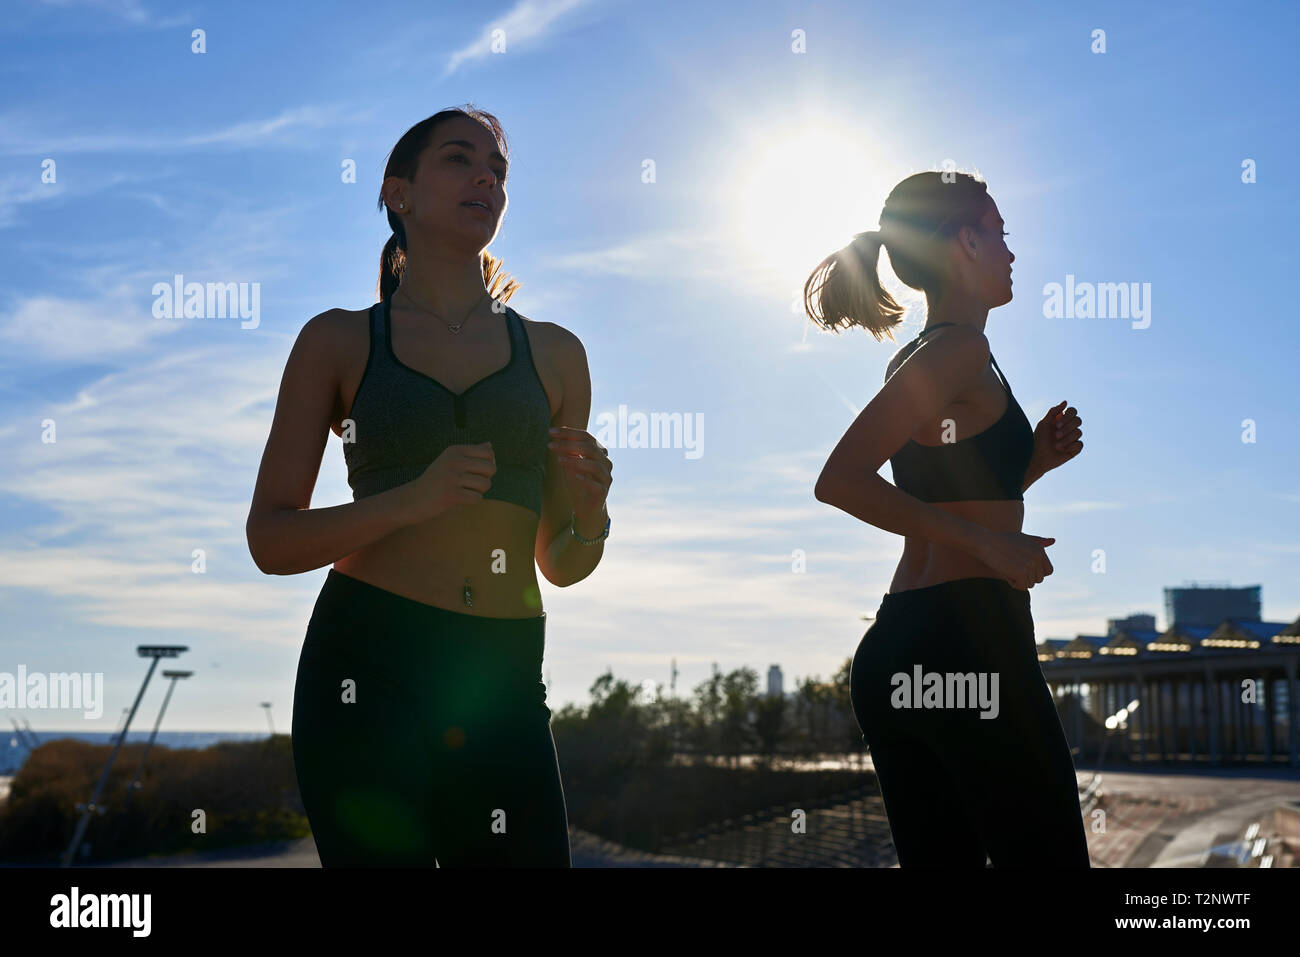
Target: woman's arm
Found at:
286, 536
877, 502
934, 375
1032, 475
564, 560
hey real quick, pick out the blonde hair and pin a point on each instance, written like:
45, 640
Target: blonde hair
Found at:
921, 214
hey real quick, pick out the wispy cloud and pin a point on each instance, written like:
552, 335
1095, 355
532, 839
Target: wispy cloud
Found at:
1079, 506
707, 252
793, 473
527, 23
702, 583
61, 329
145, 469
18, 191
688, 253
236, 244
27, 136
131, 11
1217, 560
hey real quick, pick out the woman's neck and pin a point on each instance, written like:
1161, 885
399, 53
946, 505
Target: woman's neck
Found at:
444, 281
959, 312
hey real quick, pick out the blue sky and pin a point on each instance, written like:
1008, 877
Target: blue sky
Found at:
224, 166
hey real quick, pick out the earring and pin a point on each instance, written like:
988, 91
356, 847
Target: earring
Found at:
401, 206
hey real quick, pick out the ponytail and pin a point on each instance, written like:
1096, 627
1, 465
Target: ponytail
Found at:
922, 214
392, 263
845, 291
500, 284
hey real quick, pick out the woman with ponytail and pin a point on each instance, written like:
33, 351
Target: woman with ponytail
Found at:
421, 735
968, 750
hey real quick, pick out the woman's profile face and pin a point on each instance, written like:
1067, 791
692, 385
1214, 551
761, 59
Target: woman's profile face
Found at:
995, 259
461, 163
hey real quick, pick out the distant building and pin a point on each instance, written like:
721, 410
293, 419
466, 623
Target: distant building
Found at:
774, 682
1141, 622
1206, 606
1179, 695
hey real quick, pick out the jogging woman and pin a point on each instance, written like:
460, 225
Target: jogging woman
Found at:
421, 735
963, 774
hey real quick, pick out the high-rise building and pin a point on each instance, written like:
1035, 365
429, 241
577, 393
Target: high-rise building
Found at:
1205, 606
774, 682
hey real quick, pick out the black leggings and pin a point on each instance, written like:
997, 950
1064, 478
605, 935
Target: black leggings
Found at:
956, 786
421, 736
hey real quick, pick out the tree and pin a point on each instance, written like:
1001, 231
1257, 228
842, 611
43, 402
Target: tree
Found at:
739, 691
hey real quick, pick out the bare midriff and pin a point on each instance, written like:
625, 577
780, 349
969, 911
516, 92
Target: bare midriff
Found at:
490, 542
927, 563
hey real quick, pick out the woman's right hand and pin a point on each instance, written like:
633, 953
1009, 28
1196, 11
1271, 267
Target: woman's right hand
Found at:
459, 476
1020, 559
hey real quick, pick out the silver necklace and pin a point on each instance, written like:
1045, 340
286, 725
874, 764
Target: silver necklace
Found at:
454, 328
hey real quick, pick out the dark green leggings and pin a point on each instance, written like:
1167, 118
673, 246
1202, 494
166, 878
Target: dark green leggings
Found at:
957, 786
421, 736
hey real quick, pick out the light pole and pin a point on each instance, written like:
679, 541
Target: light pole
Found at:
267, 706
144, 651
20, 740
23, 740
135, 782
29, 744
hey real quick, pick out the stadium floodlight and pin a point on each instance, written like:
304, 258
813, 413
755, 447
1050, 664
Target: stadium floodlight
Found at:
154, 652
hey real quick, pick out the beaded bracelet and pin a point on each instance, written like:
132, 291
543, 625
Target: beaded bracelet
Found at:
588, 541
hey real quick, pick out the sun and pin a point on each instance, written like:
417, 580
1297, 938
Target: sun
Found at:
806, 191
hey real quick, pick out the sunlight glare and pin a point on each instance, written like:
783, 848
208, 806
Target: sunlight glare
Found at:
806, 193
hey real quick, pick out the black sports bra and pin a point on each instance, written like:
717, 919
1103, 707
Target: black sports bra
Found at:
987, 466
404, 419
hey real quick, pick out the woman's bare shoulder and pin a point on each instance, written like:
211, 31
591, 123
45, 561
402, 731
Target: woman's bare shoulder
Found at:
558, 343
342, 330
945, 342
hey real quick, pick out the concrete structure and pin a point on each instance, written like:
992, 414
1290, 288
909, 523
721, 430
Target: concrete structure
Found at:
1219, 694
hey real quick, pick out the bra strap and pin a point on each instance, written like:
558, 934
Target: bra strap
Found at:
1008, 385
378, 332
937, 325
910, 347
515, 326
1001, 376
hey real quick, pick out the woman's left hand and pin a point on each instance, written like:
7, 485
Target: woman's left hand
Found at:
1056, 439
588, 470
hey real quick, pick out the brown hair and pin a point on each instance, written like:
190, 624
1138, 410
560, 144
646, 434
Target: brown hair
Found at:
922, 213
403, 161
